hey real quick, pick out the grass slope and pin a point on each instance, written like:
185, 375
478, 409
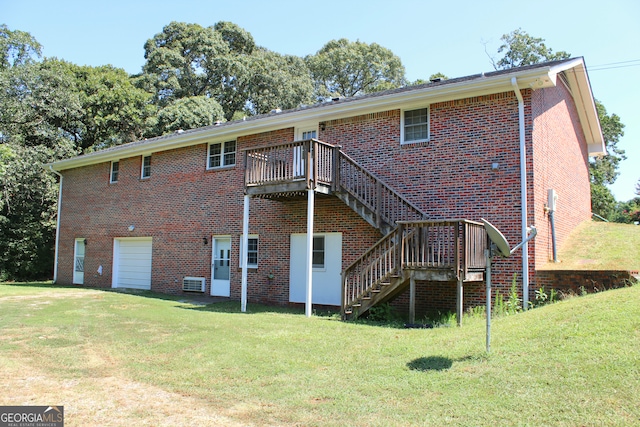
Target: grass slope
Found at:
120, 359
600, 246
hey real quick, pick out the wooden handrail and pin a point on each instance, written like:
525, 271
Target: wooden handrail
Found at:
445, 244
386, 203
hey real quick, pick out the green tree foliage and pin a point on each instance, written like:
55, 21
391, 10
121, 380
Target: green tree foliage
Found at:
51, 109
113, 111
223, 63
188, 113
288, 88
603, 170
17, 47
521, 49
28, 196
345, 68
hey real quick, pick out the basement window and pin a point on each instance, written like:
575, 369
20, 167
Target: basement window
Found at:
252, 251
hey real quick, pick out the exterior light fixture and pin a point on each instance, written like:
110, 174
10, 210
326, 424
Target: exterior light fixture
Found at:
131, 228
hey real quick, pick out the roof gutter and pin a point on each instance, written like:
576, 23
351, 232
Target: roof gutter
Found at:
523, 195
55, 265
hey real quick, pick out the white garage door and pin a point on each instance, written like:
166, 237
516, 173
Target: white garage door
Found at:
132, 263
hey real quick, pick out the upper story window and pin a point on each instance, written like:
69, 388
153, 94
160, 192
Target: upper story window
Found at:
146, 167
115, 170
415, 126
309, 134
222, 154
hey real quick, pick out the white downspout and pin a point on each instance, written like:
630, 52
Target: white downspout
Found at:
523, 196
55, 263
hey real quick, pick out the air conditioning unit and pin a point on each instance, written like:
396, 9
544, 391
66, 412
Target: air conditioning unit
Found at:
193, 284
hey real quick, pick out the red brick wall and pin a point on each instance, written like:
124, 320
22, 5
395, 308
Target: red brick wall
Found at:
451, 176
181, 203
561, 163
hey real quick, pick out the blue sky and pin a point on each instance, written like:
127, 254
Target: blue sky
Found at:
452, 37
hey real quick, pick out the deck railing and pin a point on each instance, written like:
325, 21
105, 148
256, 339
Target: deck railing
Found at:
310, 160
457, 245
389, 206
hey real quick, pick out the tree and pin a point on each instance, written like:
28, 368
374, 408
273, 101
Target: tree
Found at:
344, 68
603, 170
638, 188
521, 49
17, 47
182, 61
188, 113
113, 110
278, 81
28, 207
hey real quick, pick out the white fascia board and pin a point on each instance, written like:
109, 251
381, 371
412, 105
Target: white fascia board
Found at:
477, 86
586, 107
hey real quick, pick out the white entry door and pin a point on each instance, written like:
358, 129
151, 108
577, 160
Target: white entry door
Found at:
78, 262
327, 266
221, 267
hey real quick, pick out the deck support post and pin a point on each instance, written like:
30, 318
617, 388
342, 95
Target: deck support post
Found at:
459, 302
245, 252
310, 206
412, 298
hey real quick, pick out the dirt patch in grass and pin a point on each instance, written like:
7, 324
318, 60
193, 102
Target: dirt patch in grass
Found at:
107, 401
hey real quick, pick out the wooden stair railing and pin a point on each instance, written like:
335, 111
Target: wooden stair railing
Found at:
447, 248
370, 197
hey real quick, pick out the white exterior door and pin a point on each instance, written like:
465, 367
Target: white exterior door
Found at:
327, 265
132, 262
78, 262
221, 267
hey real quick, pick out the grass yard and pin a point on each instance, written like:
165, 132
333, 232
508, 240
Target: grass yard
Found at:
600, 246
149, 360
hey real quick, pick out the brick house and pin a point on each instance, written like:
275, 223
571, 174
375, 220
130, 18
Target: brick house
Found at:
174, 214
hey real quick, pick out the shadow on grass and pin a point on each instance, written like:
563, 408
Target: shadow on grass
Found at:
434, 363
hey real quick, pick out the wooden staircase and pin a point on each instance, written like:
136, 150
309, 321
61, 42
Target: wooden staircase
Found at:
413, 248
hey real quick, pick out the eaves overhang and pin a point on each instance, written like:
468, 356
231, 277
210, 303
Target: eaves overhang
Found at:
534, 77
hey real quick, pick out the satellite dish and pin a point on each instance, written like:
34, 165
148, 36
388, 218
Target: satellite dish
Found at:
497, 238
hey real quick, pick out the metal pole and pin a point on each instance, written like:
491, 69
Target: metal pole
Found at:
487, 255
245, 252
309, 299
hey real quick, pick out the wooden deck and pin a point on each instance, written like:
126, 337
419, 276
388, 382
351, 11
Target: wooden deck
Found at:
413, 247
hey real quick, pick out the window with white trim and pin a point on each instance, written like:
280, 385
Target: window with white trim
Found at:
309, 134
252, 251
221, 154
415, 125
146, 167
114, 172
318, 252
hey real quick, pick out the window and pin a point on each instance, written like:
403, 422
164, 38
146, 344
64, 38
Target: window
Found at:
222, 154
415, 126
309, 134
318, 252
252, 251
115, 169
146, 166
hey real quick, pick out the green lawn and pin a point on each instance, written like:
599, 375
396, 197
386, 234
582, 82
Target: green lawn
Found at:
122, 359
600, 246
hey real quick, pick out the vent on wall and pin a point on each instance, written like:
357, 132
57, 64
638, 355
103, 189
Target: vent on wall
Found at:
193, 284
